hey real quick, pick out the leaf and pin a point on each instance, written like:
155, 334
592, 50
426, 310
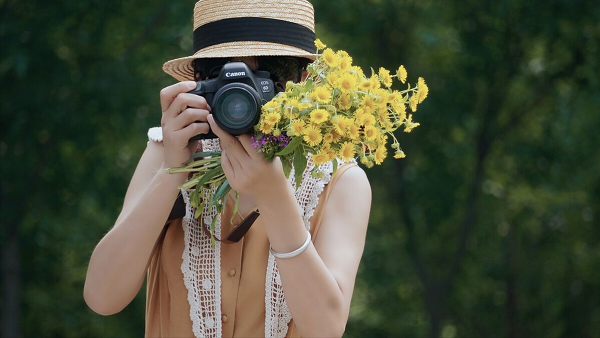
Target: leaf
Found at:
290, 147
203, 154
208, 175
334, 162
236, 206
299, 166
221, 192
287, 167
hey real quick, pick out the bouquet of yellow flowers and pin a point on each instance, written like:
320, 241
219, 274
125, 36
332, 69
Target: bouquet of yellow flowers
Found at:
336, 112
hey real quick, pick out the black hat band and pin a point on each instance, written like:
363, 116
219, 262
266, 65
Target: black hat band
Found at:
254, 29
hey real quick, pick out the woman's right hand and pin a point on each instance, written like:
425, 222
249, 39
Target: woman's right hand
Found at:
183, 117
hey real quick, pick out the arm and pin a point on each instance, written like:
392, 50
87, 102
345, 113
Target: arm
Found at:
318, 283
118, 264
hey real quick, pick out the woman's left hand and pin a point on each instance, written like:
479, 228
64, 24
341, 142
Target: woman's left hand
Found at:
246, 170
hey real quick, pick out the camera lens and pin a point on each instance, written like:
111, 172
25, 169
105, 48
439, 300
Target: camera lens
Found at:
236, 108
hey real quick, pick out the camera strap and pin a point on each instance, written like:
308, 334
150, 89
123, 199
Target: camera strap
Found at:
238, 232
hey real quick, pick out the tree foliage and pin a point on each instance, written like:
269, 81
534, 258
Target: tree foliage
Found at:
488, 227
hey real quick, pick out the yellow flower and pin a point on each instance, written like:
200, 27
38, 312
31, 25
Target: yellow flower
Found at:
341, 124
327, 139
374, 82
357, 70
319, 44
319, 116
272, 118
383, 117
414, 100
330, 57
409, 124
399, 109
273, 104
399, 154
333, 78
347, 151
336, 137
368, 104
423, 89
392, 96
345, 61
265, 128
402, 74
365, 85
385, 77
297, 127
321, 94
344, 101
380, 96
367, 120
380, 154
312, 136
371, 133
347, 82
353, 132
322, 156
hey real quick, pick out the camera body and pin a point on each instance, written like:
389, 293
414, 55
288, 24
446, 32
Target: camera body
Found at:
235, 97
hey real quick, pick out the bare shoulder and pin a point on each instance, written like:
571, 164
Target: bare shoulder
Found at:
354, 177
352, 187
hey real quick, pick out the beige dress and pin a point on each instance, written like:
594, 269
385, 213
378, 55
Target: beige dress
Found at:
243, 269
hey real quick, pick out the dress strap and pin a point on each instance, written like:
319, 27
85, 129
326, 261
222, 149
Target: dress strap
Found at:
316, 219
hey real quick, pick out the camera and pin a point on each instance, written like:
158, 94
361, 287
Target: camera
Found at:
236, 96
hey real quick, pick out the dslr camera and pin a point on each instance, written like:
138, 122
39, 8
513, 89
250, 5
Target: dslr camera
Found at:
236, 96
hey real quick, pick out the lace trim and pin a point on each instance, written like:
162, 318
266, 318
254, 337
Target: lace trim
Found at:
201, 267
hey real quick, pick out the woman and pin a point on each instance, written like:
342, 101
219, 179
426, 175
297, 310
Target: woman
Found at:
293, 272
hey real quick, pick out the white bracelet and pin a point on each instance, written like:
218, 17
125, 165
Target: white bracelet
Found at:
293, 253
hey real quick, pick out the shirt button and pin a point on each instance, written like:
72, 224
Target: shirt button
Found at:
224, 318
231, 273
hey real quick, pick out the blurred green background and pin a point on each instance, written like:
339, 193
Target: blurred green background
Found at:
489, 228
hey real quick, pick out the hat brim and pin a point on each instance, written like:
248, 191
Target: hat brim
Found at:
182, 69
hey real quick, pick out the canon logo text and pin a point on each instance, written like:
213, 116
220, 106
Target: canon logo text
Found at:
235, 74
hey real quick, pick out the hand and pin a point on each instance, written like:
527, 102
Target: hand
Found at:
246, 170
180, 112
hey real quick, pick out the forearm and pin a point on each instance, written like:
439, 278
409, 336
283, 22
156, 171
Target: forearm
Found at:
312, 293
119, 262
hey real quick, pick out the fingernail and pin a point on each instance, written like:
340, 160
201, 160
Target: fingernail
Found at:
191, 84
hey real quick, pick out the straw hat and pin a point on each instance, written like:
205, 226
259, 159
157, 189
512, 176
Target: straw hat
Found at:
236, 28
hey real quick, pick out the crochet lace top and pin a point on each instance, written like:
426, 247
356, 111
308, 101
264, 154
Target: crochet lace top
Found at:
201, 263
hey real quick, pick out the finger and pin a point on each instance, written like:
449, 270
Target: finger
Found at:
222, 134
184, 101
168, 94
233, 162
246, 142
228, 141
190, 115
227, 167
192, 130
